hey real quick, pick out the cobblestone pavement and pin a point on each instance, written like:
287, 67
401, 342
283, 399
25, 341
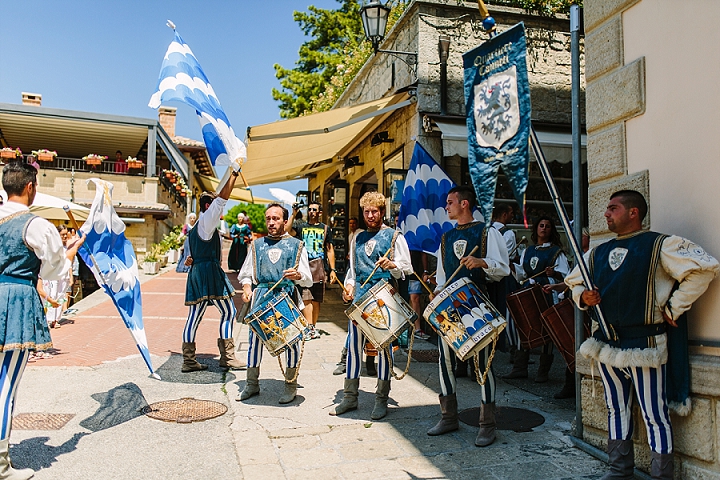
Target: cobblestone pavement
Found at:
98, 377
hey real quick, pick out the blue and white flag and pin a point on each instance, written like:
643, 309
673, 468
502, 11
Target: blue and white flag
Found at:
497, 99
182, 79
112, 260
422, 216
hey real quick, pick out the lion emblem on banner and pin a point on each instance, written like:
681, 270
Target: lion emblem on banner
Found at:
496, 110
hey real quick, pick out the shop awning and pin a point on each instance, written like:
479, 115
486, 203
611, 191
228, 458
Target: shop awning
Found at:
293, 148
455, 141
240, 194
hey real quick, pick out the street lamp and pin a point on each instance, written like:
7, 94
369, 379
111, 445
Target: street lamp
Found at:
374, 19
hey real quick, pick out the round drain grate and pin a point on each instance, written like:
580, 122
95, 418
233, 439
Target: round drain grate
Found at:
184, 410
506, 418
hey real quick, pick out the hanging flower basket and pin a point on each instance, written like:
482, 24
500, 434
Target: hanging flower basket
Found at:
133, 162
182, 194
94, 159
10, 153
45, 155
178, 187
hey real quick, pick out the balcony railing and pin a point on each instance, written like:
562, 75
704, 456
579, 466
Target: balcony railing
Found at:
80, 165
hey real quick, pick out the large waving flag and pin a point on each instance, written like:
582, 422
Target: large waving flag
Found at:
182, 79
112, 260
497, 99
422, 216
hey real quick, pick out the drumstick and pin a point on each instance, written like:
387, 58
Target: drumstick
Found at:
460, 267
376, 267
278, 282
337, 280
522, 240
423, 283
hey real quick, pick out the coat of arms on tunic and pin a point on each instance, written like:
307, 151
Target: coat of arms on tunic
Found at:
459, 248
617, 257
534, 262
496, 110
369, 247
274, 254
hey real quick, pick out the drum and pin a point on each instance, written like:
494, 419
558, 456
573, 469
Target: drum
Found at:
381, 314
560, 323
278, 323
526, 307
464, 317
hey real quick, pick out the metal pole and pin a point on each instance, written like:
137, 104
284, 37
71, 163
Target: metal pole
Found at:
577, 189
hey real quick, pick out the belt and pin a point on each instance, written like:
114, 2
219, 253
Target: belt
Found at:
640, 331
17, 280
284, 283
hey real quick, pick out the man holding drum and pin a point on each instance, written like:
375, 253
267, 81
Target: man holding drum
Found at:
378, 253
273, 258
644, 281
491, 263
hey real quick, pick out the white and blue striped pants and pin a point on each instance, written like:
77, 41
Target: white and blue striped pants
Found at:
511, 330
195, 315
12, 366
649, 385
356, 343
255, 352
448, 384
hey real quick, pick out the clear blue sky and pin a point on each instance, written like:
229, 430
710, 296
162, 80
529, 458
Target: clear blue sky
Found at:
104, 56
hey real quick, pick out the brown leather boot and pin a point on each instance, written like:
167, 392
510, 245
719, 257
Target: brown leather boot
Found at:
252, 384
621, 457
350, 397
449, 420
190, 364
568, 390
486, 433
290, 386
227, 355
546, 360
382, 394
662, 466
520, 365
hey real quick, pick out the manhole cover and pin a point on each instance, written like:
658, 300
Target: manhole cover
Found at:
184, 410
40, 421
426, 356
506, 418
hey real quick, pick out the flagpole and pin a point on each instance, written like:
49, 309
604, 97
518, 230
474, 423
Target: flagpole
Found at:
105, 285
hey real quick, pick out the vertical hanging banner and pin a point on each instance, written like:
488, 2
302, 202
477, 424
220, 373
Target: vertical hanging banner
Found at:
497, 100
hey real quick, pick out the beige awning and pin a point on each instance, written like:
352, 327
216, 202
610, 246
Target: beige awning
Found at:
240, 194
293, 148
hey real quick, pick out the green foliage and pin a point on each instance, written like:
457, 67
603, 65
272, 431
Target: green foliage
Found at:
153, 254
329, 60
255, 212
548, 7
172, 241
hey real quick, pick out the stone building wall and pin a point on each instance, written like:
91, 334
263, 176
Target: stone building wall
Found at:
617, 102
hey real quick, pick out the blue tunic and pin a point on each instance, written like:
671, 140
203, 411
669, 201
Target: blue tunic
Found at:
624, 270
369, 247
458, 243
206, 279
270, 258
22, 318
537, 259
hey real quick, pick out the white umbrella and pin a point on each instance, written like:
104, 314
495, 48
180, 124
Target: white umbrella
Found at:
283, 195
51, 208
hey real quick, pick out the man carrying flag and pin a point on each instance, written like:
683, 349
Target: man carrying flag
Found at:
207, 283
29, 247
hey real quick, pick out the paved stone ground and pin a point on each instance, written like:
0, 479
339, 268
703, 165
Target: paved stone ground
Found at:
99, 377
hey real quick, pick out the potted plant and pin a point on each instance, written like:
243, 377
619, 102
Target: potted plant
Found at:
45, 155
133, 162
10, 153
94, 159
151, 264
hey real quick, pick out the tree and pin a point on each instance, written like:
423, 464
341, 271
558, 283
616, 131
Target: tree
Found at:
255, 212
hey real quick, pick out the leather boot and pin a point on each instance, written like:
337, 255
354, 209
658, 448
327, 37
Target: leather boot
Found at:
546, 360
662, 466
252, 384
512, 350
350, 397
190, 364
227, 355
381, 400
486, 433
290, 386
568, 390
449, 420
370, 368
7, 472
621, 460
342, 364
520, 369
